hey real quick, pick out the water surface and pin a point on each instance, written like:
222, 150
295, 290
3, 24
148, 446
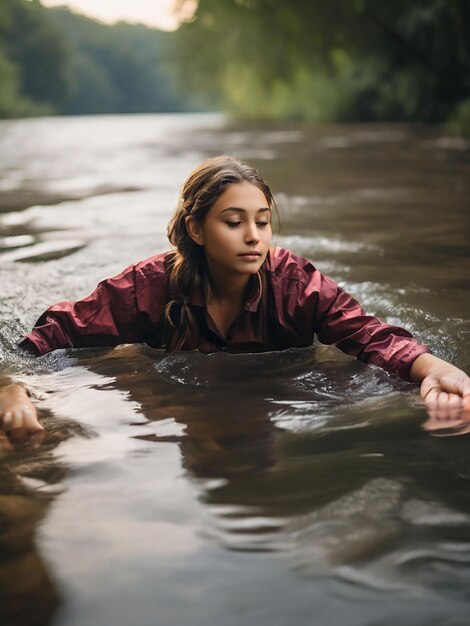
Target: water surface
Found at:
281, 488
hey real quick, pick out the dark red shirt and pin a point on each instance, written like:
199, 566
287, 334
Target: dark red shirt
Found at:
286, 305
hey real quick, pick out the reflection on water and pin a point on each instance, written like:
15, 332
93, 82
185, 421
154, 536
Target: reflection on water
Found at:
268, 488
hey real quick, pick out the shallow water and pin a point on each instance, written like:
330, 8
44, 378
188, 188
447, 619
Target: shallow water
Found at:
281, 488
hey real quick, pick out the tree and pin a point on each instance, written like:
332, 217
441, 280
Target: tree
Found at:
331, 59
39, 52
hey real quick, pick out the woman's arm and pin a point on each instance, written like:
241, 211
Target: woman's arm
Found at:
445, 389
338, 318
106, 317
123, 309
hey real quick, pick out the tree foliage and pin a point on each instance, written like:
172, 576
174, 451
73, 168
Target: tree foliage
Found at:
331, 59
56, 61
305, 59
121, 68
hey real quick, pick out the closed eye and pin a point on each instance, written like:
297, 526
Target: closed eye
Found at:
236, 224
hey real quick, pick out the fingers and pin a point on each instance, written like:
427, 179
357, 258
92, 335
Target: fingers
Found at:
466, 402
30, 420
447, 396
21, 426
444, 406
458, 383
447, 408
6, 421
447, 415
455, 406
21, 418
17, 421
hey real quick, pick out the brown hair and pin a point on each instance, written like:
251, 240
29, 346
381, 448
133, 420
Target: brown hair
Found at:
188, 270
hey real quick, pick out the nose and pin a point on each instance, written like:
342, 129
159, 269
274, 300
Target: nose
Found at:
251, 233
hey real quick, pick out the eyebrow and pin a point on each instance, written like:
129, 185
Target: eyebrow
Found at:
240, 210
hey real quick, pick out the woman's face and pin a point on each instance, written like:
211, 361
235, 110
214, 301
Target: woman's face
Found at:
236, 232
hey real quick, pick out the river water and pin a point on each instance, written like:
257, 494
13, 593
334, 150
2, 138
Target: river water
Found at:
283, 488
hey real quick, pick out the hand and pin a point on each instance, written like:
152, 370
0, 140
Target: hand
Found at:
18, 416
446, 395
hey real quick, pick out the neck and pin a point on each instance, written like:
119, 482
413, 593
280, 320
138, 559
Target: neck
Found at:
227, 287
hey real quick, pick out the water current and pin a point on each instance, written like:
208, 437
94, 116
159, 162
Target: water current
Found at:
282, 488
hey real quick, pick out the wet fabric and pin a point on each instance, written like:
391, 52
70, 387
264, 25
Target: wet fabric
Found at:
287, 303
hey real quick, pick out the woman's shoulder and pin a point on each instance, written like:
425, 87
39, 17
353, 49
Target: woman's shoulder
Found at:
156, 265
151, 280
283, 263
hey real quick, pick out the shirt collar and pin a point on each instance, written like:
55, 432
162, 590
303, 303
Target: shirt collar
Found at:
252, 300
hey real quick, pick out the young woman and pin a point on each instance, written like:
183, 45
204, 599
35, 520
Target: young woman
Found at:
224, 288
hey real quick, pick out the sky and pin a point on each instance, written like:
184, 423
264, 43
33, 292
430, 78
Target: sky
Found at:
156, 13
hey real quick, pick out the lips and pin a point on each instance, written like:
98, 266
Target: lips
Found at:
253, 253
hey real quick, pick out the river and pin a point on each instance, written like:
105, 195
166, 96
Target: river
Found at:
271, 489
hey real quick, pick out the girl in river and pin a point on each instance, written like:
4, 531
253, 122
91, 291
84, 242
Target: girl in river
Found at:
223, 287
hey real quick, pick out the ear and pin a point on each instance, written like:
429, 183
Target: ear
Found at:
194, 230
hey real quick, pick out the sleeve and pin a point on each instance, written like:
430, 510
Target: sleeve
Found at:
107, 317
340, 320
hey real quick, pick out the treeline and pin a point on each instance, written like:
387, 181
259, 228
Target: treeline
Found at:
53, 61
332, 59
317, 60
